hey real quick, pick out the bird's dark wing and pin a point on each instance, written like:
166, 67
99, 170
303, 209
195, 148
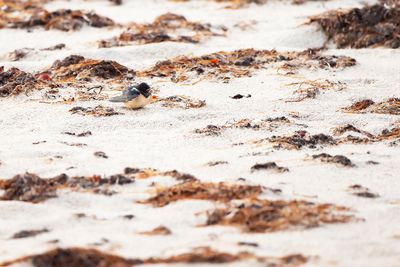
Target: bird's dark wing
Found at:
127, 95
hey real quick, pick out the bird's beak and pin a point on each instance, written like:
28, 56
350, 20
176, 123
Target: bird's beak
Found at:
154, 97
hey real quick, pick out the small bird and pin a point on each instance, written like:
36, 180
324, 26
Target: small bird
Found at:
135, 96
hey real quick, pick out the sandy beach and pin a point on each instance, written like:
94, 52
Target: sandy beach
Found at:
310, 138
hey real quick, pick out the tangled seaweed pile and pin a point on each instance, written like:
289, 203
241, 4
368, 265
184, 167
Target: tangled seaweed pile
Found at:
269, 216
168, 27
81, 257
31, 14
240, 63
370, 26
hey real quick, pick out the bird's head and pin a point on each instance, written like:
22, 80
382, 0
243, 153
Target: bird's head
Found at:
144, 89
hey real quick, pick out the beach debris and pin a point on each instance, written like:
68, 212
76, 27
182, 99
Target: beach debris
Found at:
340, 130
370, 26
168, 27
29, 233
97, 111
249, 244
216, 163
300, 139
390, 106
62, 19
361, 191
268, 124
241, 63
240, 96
15, 81
160, 230
116, 2
54, 47
260, 216
80, 68
309, 89
337, 159
100, 154
181, 101
221, 192
18, 54
82, 134
84, 257
209, 130
39, 142
30, 188
73, 144
236, 4
268, 166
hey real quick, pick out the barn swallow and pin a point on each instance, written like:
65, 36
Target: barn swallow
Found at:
135, 96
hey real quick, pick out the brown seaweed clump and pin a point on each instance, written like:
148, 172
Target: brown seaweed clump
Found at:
181, 101
370, 26
15, 81
202, 191
267, 124
97, 111
261, 216
31, 188
165, 28
82, 257
301, 139
390, 106
31, 14
337, 159
241, 63
79, 68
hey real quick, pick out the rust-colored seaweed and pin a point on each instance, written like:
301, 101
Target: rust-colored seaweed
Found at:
269, 216
370, 26
83, 257
240, 63
202, 191
164, 28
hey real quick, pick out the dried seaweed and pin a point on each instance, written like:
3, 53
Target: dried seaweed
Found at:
82, 257
267, 124
301, 139
15, 81
74, 257
240, 63
180, 101
269, 216
390, 106
202, 191
268, 166
29, 233
62, 19
165, 28
160, 230
337, 159
361, 191
100, 154
30, 188
310, 89
77, 67
370, 26
97, 111
236, 4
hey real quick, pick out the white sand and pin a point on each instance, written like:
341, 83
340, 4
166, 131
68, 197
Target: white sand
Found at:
163, 138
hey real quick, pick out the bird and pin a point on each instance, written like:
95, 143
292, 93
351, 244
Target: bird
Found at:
135, 96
